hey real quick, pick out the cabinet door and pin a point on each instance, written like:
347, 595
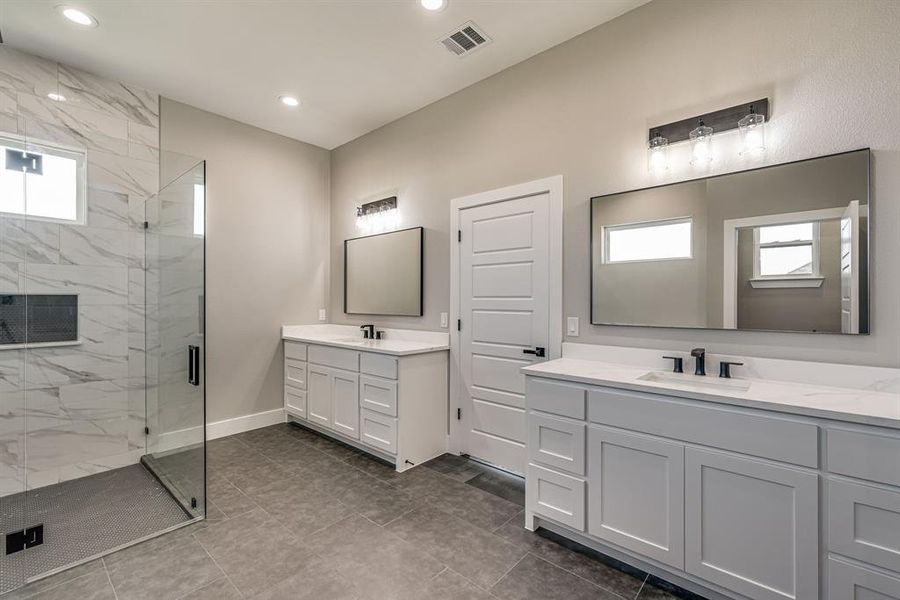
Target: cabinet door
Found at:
636, 493
345, 403
318, 396
751, 526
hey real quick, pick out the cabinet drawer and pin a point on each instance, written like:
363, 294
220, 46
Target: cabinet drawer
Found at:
759, 435
295, 350
379, 395
378, 430
862, 454
379, 365
562, 399
864, 523
339, 358
850, 582
295, 373
295, 401
555, 496
556, 443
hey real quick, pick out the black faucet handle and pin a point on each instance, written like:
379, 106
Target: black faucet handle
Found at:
725, 368
698, 352
677, 365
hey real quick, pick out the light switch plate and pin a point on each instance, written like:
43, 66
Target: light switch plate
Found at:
445, 320
322, 314
572, 326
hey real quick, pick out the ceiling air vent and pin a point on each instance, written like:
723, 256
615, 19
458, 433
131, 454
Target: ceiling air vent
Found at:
466, 39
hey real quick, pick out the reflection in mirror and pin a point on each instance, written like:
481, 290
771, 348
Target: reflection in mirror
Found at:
383, 273
781, 248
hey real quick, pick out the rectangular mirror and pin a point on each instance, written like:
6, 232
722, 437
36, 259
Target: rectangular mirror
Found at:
781, 248
383, 273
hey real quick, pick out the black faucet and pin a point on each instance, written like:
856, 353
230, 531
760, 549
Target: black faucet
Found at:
368, 331
700, 363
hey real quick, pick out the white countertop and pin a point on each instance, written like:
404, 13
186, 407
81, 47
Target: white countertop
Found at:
842, 404
397, 342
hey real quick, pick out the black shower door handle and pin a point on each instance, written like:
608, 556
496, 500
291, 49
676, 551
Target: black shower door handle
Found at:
194, 365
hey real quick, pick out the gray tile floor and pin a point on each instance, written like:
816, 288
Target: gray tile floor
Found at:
294, 515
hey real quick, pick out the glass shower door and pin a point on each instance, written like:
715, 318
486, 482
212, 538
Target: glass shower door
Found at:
175, 321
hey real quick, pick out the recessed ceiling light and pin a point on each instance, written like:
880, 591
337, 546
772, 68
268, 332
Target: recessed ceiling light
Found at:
77, 16
56, 97
433, 5
289, 100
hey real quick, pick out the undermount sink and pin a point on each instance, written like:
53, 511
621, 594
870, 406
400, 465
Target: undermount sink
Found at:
687, 380
354, 340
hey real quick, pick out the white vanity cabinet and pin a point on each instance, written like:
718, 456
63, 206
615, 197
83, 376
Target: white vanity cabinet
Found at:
392, 406
729, 501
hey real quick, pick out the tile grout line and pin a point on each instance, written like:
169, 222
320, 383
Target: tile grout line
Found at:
109, 579
641, 589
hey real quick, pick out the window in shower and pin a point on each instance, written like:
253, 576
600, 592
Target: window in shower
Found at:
41, 181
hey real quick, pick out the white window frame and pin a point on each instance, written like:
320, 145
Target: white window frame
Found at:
606, 229
79, 155
798, 279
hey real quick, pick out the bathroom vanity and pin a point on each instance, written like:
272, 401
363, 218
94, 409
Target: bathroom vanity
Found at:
386, 396
735, 488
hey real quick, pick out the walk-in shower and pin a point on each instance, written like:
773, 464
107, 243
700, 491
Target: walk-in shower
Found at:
102, 395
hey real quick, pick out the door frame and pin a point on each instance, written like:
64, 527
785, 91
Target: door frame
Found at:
553, 187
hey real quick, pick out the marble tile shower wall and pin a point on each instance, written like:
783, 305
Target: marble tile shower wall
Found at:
70, 411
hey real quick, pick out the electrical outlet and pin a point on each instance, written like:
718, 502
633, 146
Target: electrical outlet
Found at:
322, 314
572, 326
445, 320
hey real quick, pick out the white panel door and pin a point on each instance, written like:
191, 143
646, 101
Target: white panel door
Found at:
751, 526
850, 269
504, 284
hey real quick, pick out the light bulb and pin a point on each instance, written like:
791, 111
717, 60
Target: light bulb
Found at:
658, 160
701, 144
753, 133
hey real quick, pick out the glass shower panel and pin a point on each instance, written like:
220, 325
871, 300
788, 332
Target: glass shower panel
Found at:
175, 249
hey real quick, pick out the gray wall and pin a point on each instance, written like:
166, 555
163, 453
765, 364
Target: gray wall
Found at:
267, 216
630, 292
582, 109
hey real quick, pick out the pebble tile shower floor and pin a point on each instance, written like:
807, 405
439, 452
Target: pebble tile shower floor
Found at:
295, 515
85, 517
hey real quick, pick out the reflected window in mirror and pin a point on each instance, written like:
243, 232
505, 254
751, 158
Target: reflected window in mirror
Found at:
655, 240
786, 251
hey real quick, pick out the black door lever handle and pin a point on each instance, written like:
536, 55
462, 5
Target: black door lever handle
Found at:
539, 352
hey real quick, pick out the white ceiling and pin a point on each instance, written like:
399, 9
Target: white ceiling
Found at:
355, 64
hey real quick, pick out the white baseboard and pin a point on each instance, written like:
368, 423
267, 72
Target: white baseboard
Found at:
218, 429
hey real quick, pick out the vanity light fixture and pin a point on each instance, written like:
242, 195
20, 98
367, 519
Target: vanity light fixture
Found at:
77, 16
749, 118
753, 132
433, 5
288, 100
378, 216
658, 159
701, 143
